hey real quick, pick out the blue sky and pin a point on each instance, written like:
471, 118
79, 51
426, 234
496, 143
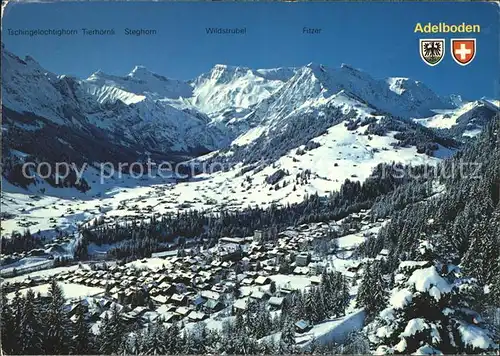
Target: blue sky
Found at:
375, 37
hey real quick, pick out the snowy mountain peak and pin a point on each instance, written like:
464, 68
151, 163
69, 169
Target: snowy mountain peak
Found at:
281, 74
313, 65
456, 100
337, 77
315, 69
346, 66
140, 81
29, 59
399, 85
418, 93
232, 98
226, 88
224, 73
100, 75
356, 73
31, 64
313, 83
226, 67
138, 69
349, 68
140, 72
229, 68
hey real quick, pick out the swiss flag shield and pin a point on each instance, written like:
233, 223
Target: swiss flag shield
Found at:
463, 50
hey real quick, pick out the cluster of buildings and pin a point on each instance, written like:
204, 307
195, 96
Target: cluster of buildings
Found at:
201, 283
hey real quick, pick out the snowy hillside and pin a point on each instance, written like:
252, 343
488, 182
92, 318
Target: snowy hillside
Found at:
400, 98
316, 89
328, 123
341, 154
466, 120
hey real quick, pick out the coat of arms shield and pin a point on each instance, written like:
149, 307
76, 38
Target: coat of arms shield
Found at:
463, 50
432, 50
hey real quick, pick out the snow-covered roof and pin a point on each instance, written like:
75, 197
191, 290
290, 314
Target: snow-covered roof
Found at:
276, 301
257, 294
208, 294
261, 280
241, 303
194, 315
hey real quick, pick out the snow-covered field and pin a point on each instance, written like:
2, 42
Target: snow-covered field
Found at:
70, 290
332, 331
26, 264
327, 332
46, 273
45, 208
342, 155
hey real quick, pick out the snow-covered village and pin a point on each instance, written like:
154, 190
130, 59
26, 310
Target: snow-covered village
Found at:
249, 196
237, 276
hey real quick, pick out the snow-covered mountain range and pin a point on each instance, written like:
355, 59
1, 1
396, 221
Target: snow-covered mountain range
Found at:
248, 114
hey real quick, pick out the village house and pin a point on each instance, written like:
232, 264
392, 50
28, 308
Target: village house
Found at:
212, 306
160, 299
240, 305
258, 236
230, 252
302, 259
211, 295
301, 270
262, 280
383, 254
171, 317
275, 303
196, 316
232, 240
247, 281
198, 301
286, 290
137, 312
355, 267
302, 326
166, 288
259, 295
182, 311
179, 299
149, 317
315, 280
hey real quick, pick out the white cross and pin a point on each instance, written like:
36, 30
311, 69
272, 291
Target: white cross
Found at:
463, 51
